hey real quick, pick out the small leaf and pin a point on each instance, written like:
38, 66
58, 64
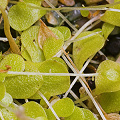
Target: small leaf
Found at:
86, 47
107, 29
78, 114
64, 107
52, 45
88, 114
110, 102
7, 100
65, 31
108, 79
84, 13
22, 17
112, 17
3, 4
53, 84
2, 90
29, 39
34, 110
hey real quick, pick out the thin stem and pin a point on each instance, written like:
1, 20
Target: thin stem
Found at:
47, 102
82, 38
90, 95
68, 63
75, 80
51, 74
101, 53
74, 95
93, 25
93, 100
81, 99
62, 16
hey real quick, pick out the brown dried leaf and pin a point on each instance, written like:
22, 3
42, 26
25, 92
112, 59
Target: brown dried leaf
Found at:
67, 2
44, 33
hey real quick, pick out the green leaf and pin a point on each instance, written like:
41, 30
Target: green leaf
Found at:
52, 45
50, 115
2, 90
29, 39
64, 107
3, 4
88, 114
7, 100
25, 53
34, 110
112, 17
107, 29
86, 47
22, 17
8, 115
108, 79
110, 102
15, 61
84, 13
23, 86
65, 31
54, 84
78, 114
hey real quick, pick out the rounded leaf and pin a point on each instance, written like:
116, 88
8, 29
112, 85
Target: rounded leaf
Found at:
108, 79
34, 110
54, 84
64, 107
65, 31
22, 17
